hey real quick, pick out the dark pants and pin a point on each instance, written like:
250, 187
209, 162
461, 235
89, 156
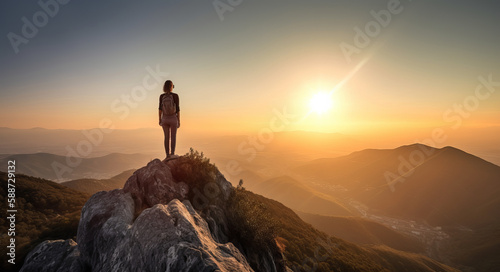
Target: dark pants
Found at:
169, 125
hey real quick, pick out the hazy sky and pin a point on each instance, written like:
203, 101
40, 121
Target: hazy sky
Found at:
235, 64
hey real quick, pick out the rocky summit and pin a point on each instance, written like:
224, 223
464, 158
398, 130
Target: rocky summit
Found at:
152, 225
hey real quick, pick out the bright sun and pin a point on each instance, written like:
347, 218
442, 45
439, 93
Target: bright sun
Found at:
321, 102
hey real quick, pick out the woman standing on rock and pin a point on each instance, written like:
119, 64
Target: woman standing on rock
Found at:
170, 116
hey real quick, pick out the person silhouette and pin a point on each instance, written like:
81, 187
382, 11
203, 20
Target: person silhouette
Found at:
170, 117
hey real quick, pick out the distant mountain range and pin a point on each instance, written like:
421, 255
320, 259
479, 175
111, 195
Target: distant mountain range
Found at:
92, 186
448, 189
483, 142
441, 186
55, 167
57, 141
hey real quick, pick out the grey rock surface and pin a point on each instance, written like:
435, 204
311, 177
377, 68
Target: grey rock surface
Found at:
153, 184
174, 237
54, 255
105, 221
217, 223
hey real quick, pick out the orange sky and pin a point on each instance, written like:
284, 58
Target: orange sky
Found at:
234, 74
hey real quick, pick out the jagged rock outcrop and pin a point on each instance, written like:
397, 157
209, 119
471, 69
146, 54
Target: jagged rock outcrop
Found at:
106, 220
154, 184
150, 225
55, 255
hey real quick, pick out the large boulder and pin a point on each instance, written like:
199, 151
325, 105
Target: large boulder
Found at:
153, 184
105, 221
173, 237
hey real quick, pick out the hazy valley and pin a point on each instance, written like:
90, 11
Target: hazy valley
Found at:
438, 202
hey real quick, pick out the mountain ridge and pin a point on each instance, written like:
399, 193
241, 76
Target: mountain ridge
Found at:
296, 195
362, 231
56, 168
92, 186
369, 174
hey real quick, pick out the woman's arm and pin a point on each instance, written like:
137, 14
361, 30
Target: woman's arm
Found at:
159, 116
178, 119
159, 110
178, 109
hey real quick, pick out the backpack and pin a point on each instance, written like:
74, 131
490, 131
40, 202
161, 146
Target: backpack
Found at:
168, 105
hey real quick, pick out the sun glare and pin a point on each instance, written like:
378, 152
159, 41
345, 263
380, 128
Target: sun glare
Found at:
321, 102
